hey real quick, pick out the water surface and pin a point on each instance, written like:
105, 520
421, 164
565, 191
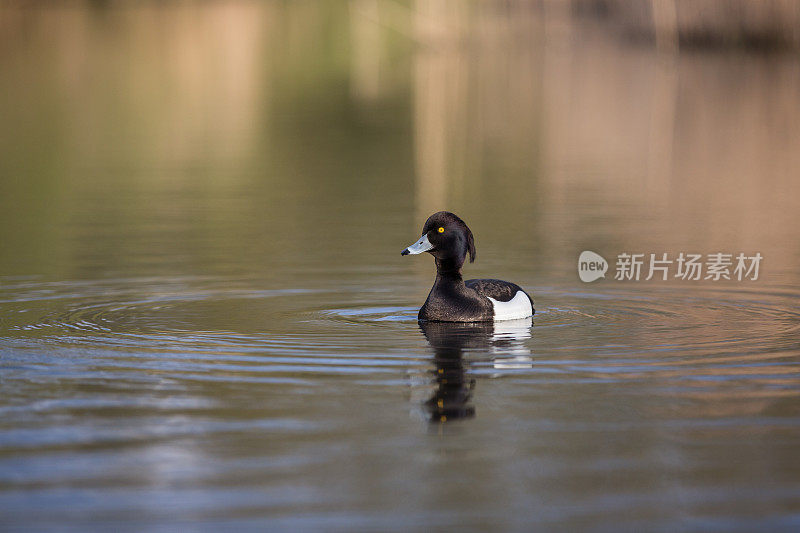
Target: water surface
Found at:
205, 320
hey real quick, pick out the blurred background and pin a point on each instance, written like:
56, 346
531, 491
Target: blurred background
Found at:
194, 128
205, 320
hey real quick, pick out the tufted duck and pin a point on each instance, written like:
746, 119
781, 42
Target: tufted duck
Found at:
448, 239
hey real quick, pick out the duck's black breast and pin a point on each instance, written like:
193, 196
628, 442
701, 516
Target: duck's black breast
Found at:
451, 301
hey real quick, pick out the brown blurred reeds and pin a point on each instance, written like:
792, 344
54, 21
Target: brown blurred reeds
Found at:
728, 23
513, 103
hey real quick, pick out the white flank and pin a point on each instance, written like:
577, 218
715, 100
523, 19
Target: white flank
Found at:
517, 307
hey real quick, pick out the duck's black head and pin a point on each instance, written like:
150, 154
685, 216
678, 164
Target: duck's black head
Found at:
447, 238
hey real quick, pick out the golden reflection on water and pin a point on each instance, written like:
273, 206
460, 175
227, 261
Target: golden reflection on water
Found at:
706, 143
511, 108
164, 82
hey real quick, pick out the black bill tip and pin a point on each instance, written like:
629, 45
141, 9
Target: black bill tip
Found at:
405, 252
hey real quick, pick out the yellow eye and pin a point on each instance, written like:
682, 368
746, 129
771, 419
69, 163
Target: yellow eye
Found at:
441, 229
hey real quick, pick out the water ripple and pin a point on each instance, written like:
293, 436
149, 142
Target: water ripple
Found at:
209, 327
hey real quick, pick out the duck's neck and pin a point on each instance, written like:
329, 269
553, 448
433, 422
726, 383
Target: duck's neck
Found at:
448, 273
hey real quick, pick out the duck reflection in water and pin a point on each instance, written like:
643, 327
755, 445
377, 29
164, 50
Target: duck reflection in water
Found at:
455, 345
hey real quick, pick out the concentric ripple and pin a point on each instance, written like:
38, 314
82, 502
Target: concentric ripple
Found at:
272, 381
170, 316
